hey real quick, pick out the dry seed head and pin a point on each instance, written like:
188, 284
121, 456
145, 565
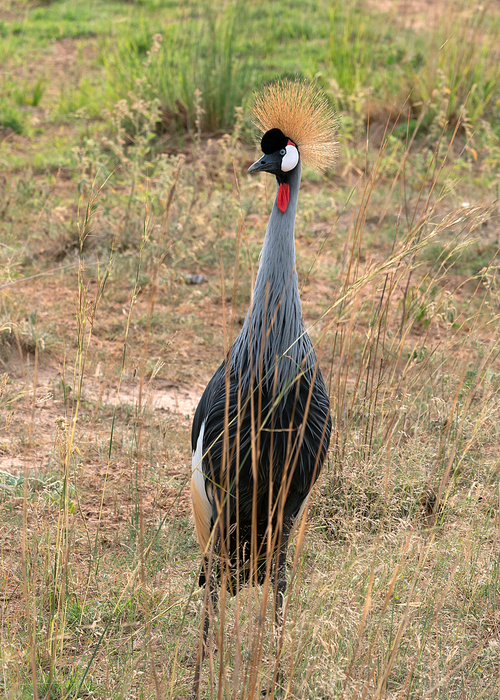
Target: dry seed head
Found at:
304, 115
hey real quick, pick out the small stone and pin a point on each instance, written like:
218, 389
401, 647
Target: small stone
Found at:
195, 279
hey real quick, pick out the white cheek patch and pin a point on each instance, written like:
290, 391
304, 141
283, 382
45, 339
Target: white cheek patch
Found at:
290, 159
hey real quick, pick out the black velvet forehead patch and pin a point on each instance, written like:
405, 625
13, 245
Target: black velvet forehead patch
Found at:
273, 140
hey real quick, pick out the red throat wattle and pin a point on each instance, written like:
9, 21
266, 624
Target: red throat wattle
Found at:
283, 196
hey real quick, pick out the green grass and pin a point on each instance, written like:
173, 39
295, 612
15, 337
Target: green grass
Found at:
11, 118
199, 56
366, 59
60, 20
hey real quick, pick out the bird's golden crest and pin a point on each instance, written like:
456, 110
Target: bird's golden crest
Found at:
304, 115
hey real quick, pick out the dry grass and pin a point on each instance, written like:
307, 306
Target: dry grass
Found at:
395, 587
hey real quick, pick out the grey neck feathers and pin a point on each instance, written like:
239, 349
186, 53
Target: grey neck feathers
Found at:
274, 326
277, 261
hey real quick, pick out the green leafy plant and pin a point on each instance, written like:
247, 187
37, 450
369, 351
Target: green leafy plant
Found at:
200, 54
11, 118
462, 63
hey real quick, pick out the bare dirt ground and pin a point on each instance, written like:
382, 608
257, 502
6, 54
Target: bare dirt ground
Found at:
421, 14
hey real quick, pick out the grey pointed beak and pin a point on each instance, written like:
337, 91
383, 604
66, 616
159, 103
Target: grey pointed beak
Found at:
269, 163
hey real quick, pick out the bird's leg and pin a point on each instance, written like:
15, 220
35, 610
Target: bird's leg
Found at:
280, 578
279, 593
208, 610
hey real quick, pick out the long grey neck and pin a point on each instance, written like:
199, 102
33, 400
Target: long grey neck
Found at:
274, 320
277, 275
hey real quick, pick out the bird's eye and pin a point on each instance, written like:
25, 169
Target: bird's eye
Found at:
282, 152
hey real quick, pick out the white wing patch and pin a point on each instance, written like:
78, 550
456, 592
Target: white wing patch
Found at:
198, 453
302, 508
202, 508
290, 159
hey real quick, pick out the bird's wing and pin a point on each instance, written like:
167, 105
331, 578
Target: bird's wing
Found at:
203, 408
298, 435
201, 492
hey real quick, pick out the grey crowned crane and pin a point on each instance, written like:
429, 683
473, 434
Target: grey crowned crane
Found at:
262, 428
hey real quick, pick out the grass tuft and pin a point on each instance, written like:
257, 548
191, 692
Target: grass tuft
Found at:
199, 56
